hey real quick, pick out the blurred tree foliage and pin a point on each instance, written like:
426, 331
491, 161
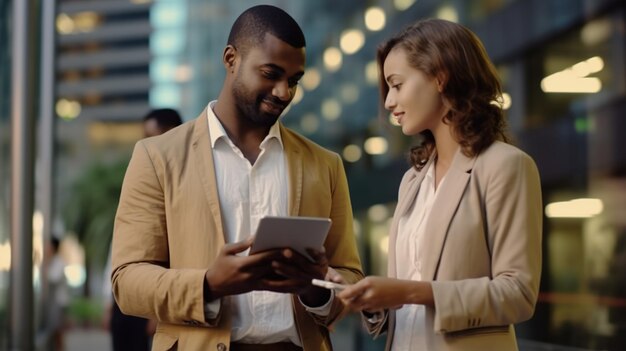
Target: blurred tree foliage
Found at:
90, 209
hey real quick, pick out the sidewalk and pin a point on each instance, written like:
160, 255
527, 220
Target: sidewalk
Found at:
87, 339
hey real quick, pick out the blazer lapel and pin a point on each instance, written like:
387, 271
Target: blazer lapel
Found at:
444, 208
294, 166
203, 156
408, 192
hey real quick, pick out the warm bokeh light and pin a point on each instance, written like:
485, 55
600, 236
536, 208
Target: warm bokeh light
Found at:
75, 275
311, 79
331, 109
564, 84
402, 5
65, 24
67, 109
356, 225
448, 13
297, 97
376, 145
577, 208
309, 123
83, 22
349, 93
371, 73
587, 67
351, 41
86, 21
574, 79
332, 59
504, 101
383, 244
596, 32
5, 257
375, 18
352, 153
183, 73
38, 244
378, 213
167, 69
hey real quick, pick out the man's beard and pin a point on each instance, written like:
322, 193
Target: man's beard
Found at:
250, 106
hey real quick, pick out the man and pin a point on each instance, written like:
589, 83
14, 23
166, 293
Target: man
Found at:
159, 121
192, 198
129, 332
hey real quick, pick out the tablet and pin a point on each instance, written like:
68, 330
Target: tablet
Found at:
297, 233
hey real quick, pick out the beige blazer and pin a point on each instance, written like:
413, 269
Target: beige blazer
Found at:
481, 250
168, 231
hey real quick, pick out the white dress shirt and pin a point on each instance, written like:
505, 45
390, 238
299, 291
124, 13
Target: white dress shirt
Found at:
410, 327
247, 193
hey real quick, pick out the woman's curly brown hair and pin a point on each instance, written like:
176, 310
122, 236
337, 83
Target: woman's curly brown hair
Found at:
454, 54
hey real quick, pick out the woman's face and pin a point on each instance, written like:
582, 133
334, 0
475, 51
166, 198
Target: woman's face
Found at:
414, 98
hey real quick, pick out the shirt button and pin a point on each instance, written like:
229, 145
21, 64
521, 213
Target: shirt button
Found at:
221, 347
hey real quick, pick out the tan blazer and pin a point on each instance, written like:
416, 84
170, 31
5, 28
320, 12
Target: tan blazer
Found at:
481, 250
168, 231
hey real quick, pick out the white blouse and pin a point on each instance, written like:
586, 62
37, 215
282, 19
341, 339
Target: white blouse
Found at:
409, 333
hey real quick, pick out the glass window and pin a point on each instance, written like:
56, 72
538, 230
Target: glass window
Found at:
568, 103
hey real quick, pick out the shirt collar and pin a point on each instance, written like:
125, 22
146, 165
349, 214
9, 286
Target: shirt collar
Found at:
216, 130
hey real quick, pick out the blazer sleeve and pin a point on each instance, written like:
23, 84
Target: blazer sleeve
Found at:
376, 324
143, 284
340, 244
513, 214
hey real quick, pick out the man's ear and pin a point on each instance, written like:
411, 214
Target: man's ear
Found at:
229, 57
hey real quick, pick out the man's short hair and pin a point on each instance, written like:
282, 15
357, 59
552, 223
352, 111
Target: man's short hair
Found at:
166, 118
251, 26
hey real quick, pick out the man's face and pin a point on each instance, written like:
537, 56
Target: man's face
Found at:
266, 80
151, 128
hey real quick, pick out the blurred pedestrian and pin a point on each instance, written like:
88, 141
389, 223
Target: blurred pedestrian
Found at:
159, 121
59, 293
129, 332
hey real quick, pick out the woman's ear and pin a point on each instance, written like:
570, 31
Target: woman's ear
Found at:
442, 80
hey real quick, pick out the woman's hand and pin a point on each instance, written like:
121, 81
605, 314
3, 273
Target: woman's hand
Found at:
377, 293
334, 276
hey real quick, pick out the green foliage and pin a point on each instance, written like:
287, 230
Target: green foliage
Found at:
84, 311
90, 210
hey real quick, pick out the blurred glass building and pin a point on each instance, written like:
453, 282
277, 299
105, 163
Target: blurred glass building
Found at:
562, 63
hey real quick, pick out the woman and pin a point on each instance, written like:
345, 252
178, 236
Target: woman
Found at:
465, 241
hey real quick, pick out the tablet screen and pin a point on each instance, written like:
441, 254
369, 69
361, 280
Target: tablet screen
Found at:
298, 233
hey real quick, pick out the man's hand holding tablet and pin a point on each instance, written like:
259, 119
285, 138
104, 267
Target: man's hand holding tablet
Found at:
301, 241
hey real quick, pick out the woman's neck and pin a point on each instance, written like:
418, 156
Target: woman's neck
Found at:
446, 147
445, 144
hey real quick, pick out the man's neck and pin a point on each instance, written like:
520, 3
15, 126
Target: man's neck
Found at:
244, 134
